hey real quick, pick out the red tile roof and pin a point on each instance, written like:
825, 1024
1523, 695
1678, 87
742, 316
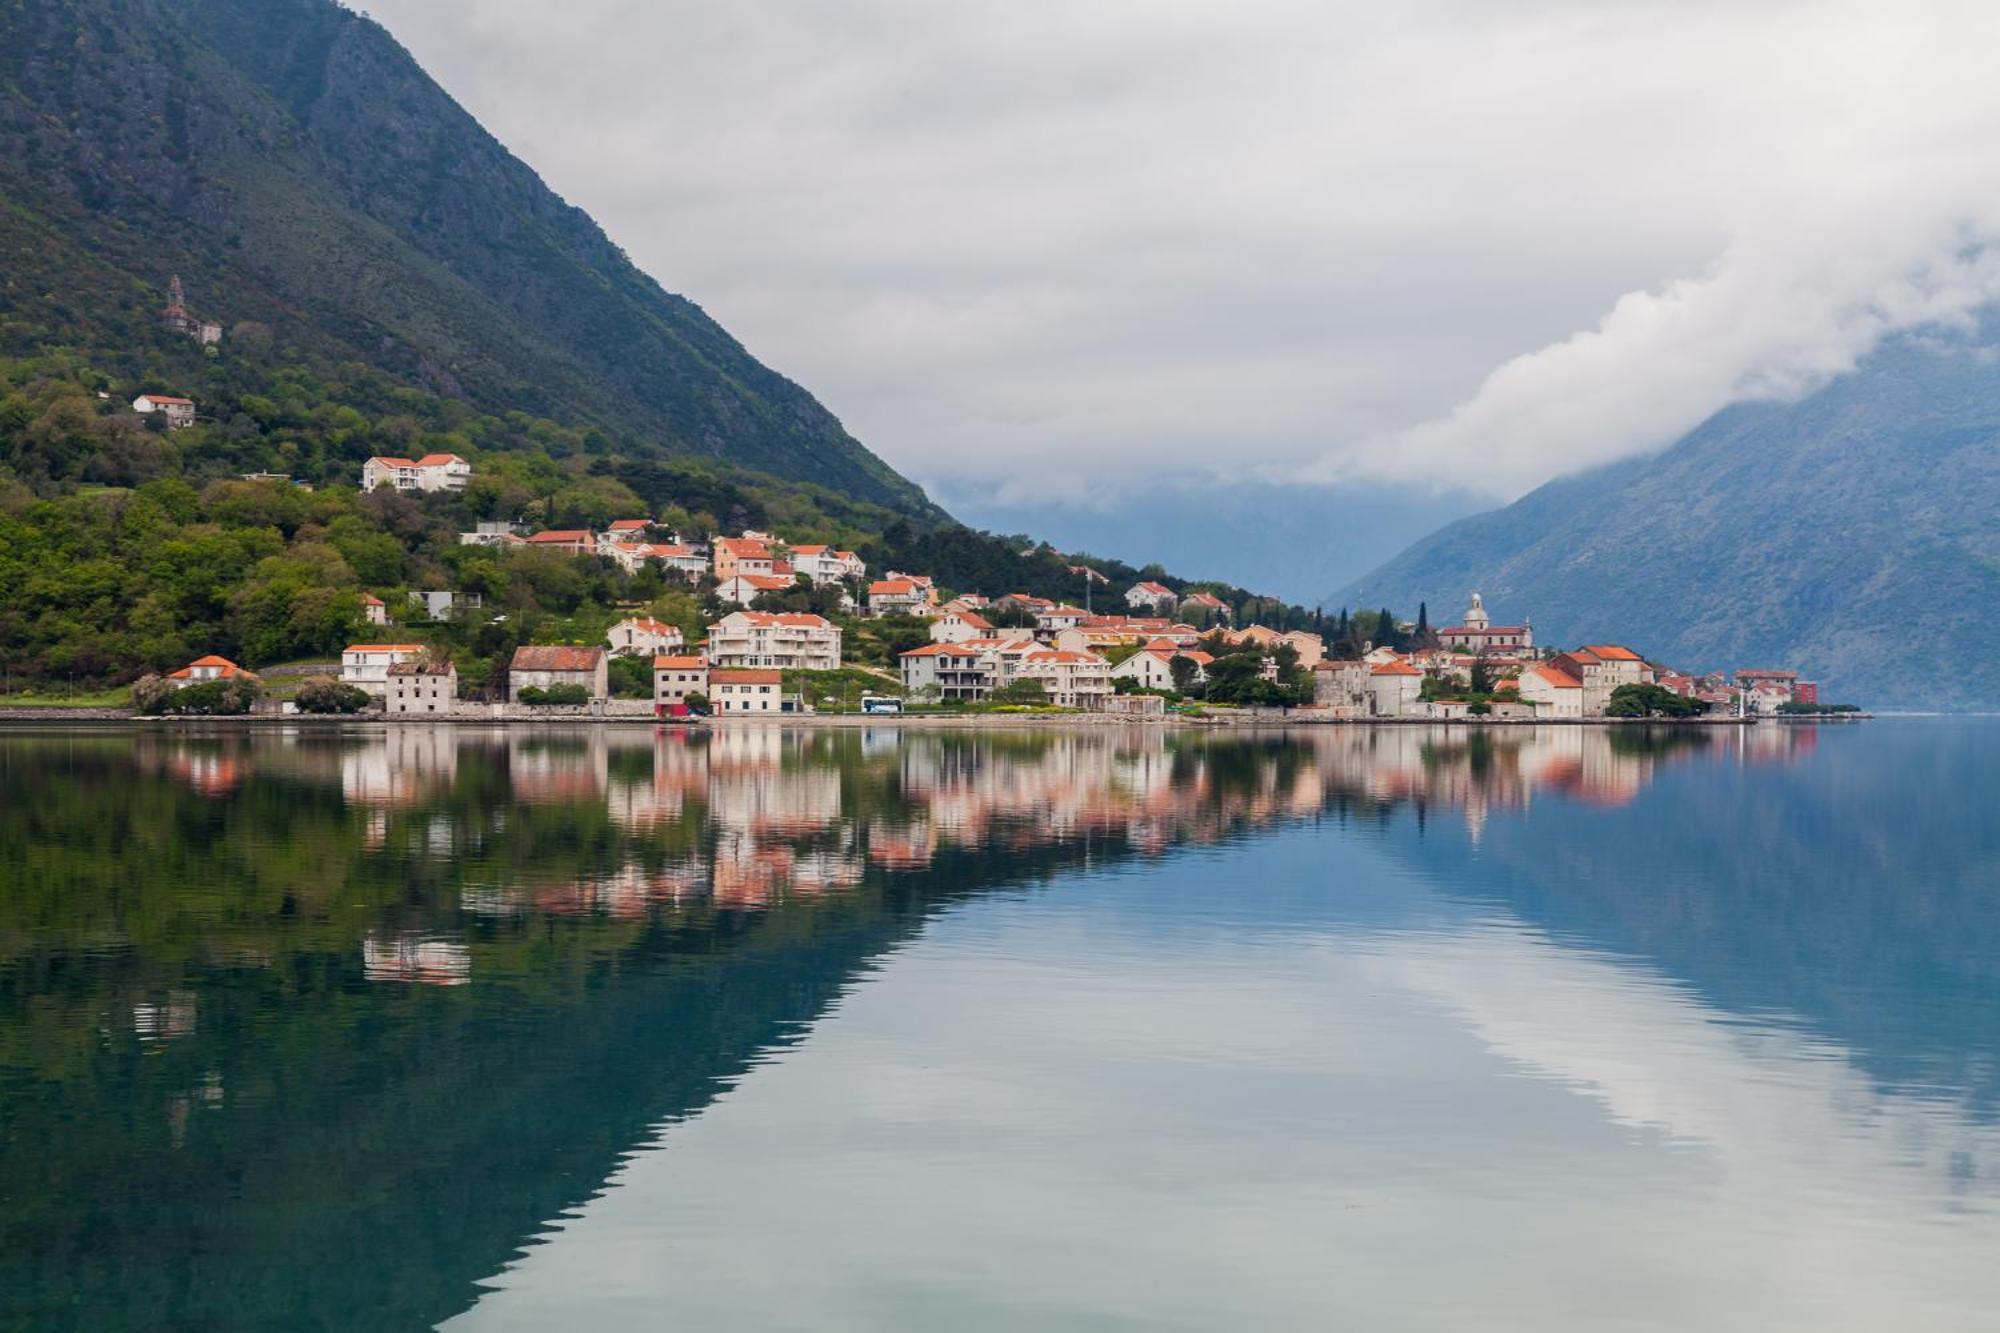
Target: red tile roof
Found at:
567, 535
1394, 668
745, 677
941, 650
665, 663
793, 619
555, 657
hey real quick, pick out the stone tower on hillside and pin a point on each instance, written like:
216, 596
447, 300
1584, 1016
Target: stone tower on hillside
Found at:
177, 318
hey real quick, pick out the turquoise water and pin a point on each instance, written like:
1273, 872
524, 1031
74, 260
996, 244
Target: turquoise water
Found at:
616, 1028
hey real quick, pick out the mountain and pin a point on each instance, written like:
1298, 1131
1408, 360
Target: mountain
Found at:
1853, 534
295, 165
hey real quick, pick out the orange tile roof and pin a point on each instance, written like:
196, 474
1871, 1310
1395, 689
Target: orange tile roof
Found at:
794, 619
438, 460
665, 663
1612, 652
1556, 676
555, 657
562, 535
630, 524
1394, 668
941, 650
745, 677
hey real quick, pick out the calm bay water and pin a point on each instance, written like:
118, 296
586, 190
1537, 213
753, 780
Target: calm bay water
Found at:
768, 1029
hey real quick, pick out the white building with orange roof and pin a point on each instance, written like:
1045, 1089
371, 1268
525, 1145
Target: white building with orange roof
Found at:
1205, 604
790, 640
1054, 619
373, 609
569, 541
178, 412
643, 636
1393, 687
1552, 690
949, 672
1602, 668
743, 589
675, 677
1152, 667
366, 665
956, 624
825, 564
1071, 680
1151, 597
741, 555
901, 595
432, 472
205, 669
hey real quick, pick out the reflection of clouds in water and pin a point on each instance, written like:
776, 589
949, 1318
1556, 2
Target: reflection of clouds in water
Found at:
1087, 1109
1782, 1112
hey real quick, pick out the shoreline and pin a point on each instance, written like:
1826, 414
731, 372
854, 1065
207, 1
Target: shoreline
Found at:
916, 721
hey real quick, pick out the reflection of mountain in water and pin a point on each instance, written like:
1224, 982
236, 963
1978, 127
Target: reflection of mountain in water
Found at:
299, 1023
1854, 894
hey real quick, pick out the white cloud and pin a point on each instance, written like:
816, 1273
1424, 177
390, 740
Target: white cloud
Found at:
1061, 237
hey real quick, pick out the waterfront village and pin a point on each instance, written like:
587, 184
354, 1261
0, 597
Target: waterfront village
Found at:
1159, 650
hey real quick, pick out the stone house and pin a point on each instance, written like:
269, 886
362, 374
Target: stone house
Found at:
1342, 685
544, 665
367, 664
421, 688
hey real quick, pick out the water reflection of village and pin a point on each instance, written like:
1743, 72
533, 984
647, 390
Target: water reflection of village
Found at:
745, 818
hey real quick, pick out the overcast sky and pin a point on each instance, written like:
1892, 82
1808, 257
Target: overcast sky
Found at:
1468, 245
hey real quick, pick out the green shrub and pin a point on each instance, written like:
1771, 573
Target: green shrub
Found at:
324, 694
208, 698
553, 696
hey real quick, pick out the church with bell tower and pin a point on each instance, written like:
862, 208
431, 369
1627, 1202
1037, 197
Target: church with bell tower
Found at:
1476, 633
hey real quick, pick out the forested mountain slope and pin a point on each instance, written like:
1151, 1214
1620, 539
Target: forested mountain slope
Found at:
311, 183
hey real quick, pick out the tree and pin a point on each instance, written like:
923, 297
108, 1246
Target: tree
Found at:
1651, 701
1025, 691
1482, 676
1423, 636
1183, 670
324, 694
208, 698
631, 677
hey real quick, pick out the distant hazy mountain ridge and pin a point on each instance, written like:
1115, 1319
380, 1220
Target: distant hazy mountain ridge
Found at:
1854, 535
